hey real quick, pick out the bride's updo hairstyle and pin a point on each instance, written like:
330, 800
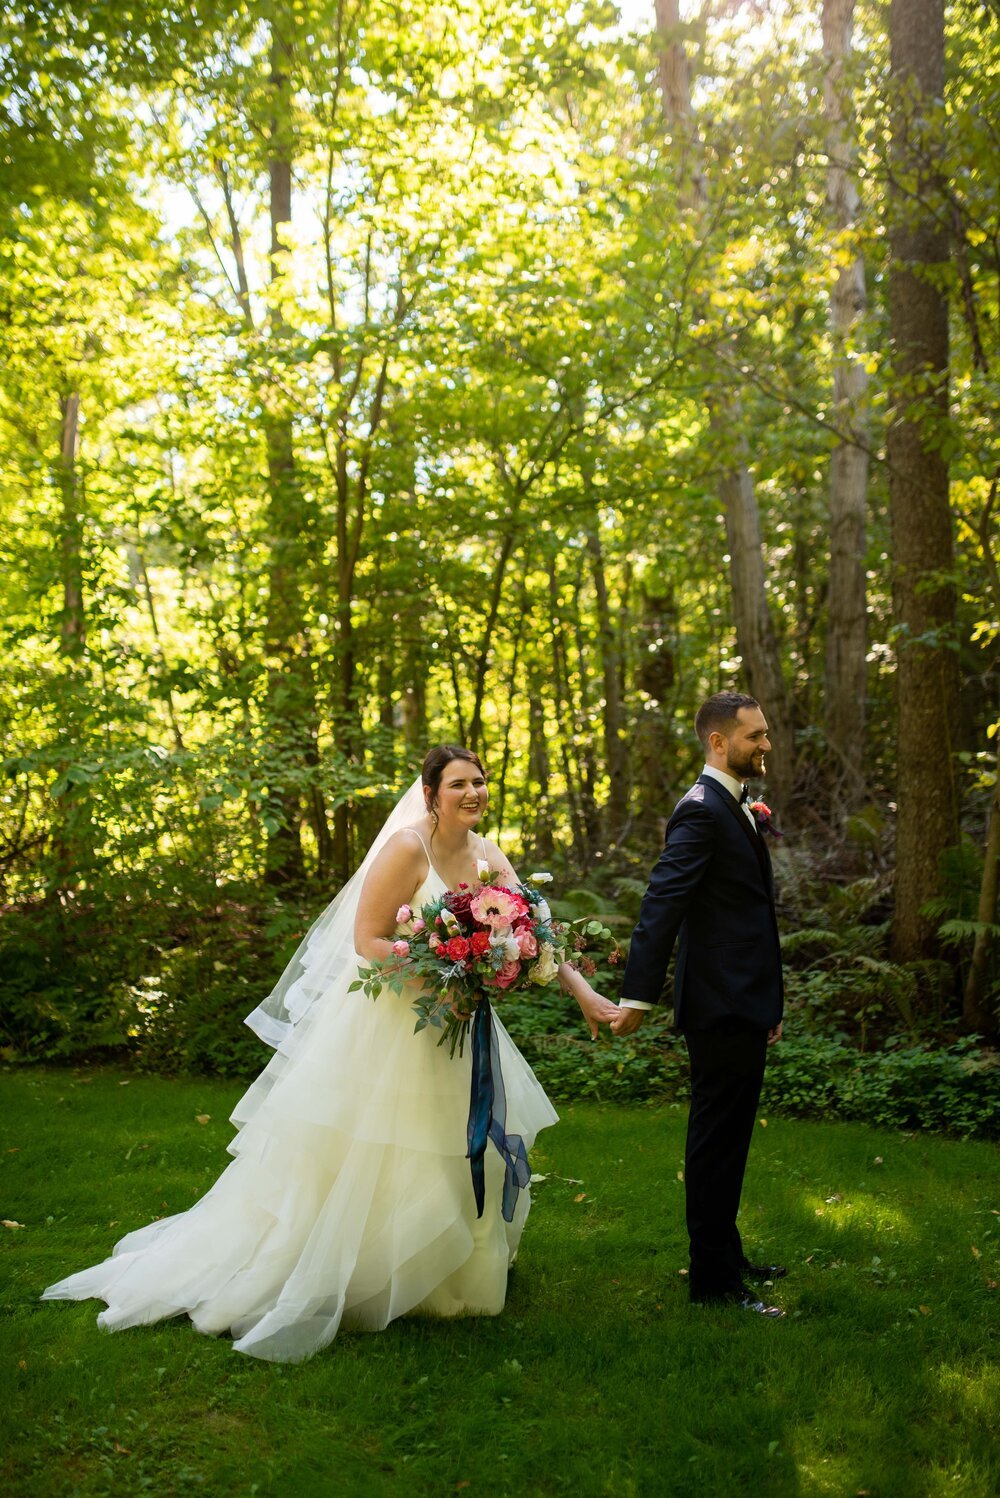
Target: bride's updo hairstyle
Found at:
434, 767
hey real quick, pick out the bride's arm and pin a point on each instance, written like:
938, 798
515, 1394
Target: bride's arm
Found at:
596, 1009
391, 881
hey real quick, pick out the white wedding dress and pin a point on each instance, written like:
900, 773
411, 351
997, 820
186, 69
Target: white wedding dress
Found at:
349, 1201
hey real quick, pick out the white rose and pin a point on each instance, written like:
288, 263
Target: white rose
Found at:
541, 912
503, 941
483, 869
545, 969
539, 878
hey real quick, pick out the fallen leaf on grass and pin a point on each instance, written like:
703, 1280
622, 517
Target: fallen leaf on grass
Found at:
836, 1197
680, 1175
22, 1365
15, 1151
878, 1160
202, 1118
975, 1252
537, 1177
762, 1122
581, 1196
465, 1483
991, 1284
925, 1310
9, 1223
682, 1271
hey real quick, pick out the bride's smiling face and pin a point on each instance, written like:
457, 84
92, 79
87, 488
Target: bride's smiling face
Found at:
462, 796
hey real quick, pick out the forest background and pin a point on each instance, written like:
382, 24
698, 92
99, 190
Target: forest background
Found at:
514, 375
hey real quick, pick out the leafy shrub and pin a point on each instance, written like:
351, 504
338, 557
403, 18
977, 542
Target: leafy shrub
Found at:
955, 1088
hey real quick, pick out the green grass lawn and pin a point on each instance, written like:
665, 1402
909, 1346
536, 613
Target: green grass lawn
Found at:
597, 1379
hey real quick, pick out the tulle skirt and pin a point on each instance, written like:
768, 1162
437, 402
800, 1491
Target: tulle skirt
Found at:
349, 1201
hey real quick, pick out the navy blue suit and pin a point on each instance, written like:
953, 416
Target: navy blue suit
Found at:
712, 888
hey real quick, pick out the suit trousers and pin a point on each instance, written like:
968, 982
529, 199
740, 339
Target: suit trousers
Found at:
727, 1071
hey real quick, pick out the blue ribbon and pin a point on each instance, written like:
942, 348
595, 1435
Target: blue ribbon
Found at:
488, 1117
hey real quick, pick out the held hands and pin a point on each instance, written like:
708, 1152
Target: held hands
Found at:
627, 1021
596, 1010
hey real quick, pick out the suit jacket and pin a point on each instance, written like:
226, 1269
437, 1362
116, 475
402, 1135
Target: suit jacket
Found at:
713, 887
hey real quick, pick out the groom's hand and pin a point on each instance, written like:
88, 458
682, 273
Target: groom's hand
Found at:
772, 1035
627, 1021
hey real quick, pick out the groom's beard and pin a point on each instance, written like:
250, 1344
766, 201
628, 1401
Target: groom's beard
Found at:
747, 767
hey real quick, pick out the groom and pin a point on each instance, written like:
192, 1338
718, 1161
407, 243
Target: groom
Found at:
713, 887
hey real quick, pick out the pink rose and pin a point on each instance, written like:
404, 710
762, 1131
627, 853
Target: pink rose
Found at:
403, 914
418, 926
526, 943
434, 941
401, 948
508, 974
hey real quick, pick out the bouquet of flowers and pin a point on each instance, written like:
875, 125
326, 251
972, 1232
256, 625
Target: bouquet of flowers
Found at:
469, 944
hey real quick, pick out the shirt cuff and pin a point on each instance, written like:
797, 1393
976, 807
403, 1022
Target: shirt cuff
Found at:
633, 1004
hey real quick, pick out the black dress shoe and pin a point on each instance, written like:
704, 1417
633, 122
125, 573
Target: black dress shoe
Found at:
743, 1300
749, 1304
764, 1271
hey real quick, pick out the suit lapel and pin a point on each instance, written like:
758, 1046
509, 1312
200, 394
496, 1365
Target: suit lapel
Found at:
734, 808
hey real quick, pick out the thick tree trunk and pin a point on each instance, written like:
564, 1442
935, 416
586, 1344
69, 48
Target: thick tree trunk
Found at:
923, 593
847, 635
72, 635
755, 635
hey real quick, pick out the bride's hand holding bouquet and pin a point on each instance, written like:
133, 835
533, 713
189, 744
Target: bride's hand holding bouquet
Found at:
469, 944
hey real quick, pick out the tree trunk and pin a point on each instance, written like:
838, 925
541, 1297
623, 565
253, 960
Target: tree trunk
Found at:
616, 755
655, 753
73, 628
847, 635
923, 593
291, 702
537, 839
755, 635
977, 1012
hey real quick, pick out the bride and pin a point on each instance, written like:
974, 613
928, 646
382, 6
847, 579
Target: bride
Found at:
350, 1200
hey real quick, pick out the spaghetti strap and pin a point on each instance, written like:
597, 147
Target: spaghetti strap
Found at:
420, 837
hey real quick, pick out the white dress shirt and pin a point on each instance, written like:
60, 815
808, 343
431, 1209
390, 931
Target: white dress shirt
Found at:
735, 789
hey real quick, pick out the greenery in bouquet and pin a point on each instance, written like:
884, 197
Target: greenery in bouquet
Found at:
466, 945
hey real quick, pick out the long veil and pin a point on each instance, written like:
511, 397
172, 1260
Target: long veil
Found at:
327, 949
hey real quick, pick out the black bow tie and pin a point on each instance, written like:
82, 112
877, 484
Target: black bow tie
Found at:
744, 795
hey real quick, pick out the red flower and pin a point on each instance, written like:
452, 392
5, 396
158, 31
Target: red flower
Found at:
480, 942
459, 905
457, 949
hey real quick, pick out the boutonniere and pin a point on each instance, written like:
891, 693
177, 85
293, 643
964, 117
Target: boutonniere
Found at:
762, 816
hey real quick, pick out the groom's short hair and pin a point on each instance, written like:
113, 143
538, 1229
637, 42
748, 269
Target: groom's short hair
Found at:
719, 714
